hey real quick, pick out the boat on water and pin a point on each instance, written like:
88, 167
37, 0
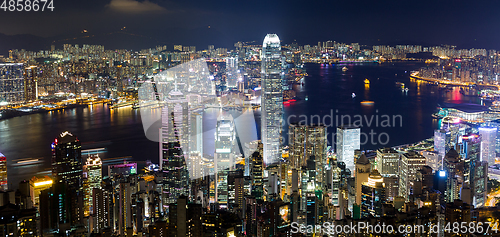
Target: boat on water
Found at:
344, 69
353, 95
367, 102
367, 81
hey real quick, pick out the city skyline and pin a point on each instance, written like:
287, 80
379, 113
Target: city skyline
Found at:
172, 22
415, 140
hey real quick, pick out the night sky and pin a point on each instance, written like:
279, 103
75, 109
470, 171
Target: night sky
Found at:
432, 22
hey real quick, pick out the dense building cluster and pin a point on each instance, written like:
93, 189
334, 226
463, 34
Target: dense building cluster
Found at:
264, 190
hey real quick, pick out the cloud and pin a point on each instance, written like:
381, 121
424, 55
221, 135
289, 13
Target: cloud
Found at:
132, 6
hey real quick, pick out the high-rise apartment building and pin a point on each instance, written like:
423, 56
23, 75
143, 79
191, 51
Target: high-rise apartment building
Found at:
30, 84
11, 83
271, 98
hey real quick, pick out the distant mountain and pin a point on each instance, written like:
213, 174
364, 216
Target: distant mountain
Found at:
199, 37
24, 41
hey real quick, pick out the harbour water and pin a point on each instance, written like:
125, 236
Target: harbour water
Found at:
326, 94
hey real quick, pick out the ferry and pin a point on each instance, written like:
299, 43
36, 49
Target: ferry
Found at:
344, 69
367, 81
367, 102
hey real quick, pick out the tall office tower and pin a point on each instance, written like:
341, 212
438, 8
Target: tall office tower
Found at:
174, 137
372, 195
271, 98
311, 202
67, 171
488, 144
469, 148
306, 141
30, 84
223, 158
480, 188
442, 143
123, 207
92, 173
196, 146
387, 161
348, 140
3, 173
232, 72
411, 162
235, 182
454, 171
363, 169
257, 173
11, 83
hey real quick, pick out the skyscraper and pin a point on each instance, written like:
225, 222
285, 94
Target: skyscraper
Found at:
454, 171
271, 98
387, 161
30, 84
348, 140
411, 162
232, 72
67, 171
223, 157
92, 172
373, 195
3, 173
363, 168
488, 143
174, 142
11, 83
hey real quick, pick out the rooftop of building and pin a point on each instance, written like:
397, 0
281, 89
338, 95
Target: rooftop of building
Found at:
465, 107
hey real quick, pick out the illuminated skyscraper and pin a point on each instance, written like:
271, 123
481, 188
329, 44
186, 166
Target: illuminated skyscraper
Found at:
411, 162
454, 172
348, 140
257, 173
271, 98
3, 173
174, 136
488, 143
11, 83
373, 195
363, 168
223, 157
92, 172
469, 148
67, 171
232, 72
442, 143
387, 161
30, 84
